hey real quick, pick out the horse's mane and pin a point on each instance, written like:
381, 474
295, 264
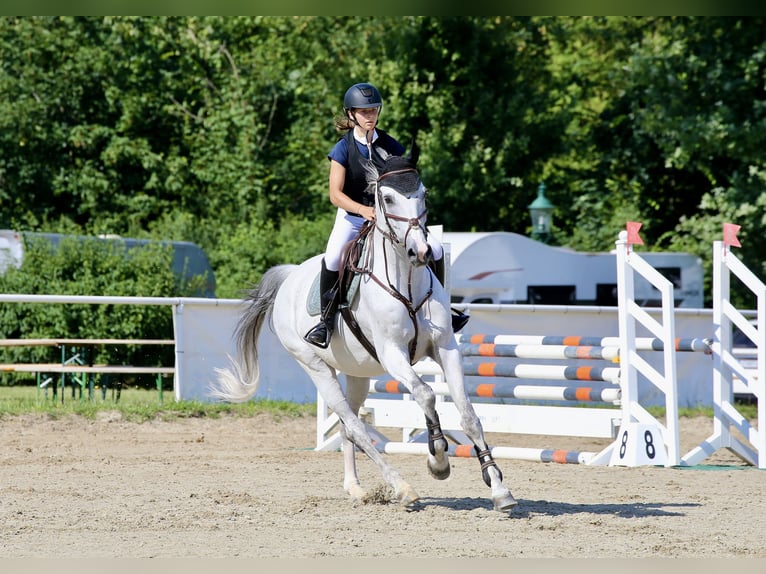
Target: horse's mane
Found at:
406, 182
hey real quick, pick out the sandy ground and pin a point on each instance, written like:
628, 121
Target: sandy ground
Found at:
235, 487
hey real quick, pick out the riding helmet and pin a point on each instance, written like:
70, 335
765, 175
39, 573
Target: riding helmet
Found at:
362, 96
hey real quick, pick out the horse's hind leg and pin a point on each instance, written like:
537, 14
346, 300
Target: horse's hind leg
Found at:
356, 393
355, 433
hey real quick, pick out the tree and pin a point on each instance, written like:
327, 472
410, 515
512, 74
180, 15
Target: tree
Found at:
675, 142
215, 130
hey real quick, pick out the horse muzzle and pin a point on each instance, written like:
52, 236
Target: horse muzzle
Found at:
423, 255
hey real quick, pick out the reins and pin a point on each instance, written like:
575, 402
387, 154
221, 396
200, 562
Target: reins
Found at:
390, 288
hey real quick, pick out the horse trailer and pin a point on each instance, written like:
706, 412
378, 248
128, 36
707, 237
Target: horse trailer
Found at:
508, 268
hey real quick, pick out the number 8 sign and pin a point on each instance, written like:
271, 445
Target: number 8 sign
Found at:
639, 444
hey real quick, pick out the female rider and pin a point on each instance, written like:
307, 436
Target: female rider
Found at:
348, 186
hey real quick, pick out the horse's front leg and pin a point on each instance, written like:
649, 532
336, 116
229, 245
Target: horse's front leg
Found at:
451, 363
355, 433
424, 396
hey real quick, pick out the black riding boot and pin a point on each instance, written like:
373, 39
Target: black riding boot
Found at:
321, 333
458, 319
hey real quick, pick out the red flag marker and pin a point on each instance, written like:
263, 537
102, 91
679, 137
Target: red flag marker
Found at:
633, 237
730, 235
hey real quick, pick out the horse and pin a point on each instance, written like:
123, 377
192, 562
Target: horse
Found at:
403, 315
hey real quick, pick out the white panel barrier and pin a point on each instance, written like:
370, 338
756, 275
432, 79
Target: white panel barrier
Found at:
639, 438
205, 341
750, 442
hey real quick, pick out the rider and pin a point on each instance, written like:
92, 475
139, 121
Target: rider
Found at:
348, 183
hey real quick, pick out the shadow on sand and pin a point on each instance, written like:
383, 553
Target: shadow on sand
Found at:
531, 508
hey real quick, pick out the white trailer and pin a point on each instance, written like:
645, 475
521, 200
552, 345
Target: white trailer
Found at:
503, 267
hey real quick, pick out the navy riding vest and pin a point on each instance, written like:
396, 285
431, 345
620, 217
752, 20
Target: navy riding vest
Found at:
355, 184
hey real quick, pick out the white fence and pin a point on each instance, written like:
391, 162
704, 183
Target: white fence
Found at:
204, 328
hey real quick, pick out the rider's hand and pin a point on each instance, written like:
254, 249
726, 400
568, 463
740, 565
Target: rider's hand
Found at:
368, 213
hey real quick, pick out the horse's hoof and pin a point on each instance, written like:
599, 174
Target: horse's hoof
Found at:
357, 493
504, 503
439, 473
407, 496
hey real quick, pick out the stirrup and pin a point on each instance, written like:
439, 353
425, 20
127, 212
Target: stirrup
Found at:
458, 320
319, 335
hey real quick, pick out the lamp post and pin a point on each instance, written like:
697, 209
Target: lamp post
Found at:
541, 213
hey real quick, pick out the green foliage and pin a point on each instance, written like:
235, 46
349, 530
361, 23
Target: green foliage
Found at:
251, 248
88, 266
215, 130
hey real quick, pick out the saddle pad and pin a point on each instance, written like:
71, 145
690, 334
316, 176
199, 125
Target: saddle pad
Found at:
313, 300
313, 303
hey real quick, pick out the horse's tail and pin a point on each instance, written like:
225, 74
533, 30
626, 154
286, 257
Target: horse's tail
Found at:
240, 383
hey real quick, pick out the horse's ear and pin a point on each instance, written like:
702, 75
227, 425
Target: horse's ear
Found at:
414, 153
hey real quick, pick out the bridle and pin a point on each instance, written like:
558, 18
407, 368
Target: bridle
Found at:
390, 234
414, 222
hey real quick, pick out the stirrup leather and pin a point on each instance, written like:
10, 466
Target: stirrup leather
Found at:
321, 333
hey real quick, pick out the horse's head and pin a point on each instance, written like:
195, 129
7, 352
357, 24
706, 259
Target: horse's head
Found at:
400, 199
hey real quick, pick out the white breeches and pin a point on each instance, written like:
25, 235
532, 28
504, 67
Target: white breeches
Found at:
346, 228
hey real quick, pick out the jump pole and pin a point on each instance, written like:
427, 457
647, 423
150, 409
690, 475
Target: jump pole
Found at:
515, 453
641, 343
604, 394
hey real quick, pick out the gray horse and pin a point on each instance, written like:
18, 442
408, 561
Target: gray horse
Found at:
403, 314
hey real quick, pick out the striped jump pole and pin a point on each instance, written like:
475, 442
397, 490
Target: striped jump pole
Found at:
553, 372
605, 394
498, 452
539, 351
642, 343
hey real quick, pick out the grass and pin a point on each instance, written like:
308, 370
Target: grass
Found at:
747, 410
136, 405
139, 405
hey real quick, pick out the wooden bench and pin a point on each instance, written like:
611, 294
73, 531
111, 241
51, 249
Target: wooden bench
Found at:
105, 369
74, 366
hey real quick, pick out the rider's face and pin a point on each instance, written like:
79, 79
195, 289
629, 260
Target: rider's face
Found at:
366, 117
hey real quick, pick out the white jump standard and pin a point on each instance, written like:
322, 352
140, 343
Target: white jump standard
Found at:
636, 436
